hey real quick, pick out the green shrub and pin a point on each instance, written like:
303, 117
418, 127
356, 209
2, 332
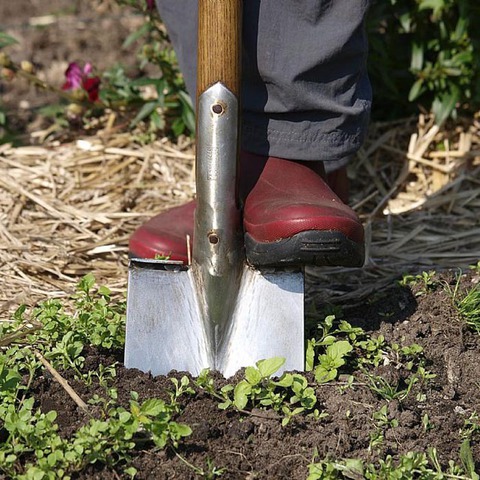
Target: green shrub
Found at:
424, 53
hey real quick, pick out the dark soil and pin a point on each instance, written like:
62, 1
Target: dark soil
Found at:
255, 445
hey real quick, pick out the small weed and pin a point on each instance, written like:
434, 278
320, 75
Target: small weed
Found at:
32, 436
467, 304
381, 423
469, 308
471, 426
388, 391
467, 460
340, 345
182, 387
427, 425
381, 419
290, 395
408, 466
424, 282
330, 361
109, 440
209, 473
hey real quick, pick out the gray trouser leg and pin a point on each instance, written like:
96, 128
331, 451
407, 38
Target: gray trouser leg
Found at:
306, 94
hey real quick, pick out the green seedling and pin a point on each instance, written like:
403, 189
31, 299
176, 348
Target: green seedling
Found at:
209, 473
381, 423
373, 351
469, 308
354, 345
424, 282
289, 395
162, 256
182, 387
427, 425
32, 435
467, 304
381, 419
376, 440
388, 391
409, 466
467, 460
332, 351
333, 358
331, 470
471, 426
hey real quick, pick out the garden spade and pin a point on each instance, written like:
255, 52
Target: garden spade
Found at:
218, 312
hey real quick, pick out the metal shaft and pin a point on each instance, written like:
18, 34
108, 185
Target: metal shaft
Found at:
218, 241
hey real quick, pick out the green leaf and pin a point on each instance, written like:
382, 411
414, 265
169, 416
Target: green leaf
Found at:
406, 21
224, 405
86, 283
253, 375
323, 375
124, 417
9, 379
443, 105
6, 40
180, 429
338, 350
240, 394
131, 471
353, 468
284, 381
436, 5
310, 355
104, 291
416, 61
466, 457
285, 421
137, 34
269, 366
147, 109
299, 383
152, 407
188, 114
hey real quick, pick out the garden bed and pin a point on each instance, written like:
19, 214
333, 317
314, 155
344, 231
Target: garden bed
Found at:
404, 402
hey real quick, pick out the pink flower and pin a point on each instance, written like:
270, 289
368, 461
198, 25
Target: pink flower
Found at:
77, 77
150, 4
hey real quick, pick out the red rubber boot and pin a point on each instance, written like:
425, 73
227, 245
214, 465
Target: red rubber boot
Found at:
292, 217
166, 233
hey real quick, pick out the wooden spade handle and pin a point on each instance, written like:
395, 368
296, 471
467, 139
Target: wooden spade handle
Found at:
219, 44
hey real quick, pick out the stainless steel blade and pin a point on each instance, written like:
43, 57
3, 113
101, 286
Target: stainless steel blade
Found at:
165, 328
268, 321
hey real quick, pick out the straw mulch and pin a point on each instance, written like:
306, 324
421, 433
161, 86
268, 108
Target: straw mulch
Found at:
68, 209
417, 189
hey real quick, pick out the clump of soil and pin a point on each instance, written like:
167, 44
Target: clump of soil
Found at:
255, 445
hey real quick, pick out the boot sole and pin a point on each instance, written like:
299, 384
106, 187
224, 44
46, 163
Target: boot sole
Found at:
311, 247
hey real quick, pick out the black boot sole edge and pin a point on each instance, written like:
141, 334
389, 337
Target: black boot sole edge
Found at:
311, 247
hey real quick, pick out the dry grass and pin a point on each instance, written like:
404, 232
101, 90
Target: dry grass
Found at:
68, 209
417, 189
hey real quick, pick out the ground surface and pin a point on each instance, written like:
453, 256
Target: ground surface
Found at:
257, 446
87, 215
